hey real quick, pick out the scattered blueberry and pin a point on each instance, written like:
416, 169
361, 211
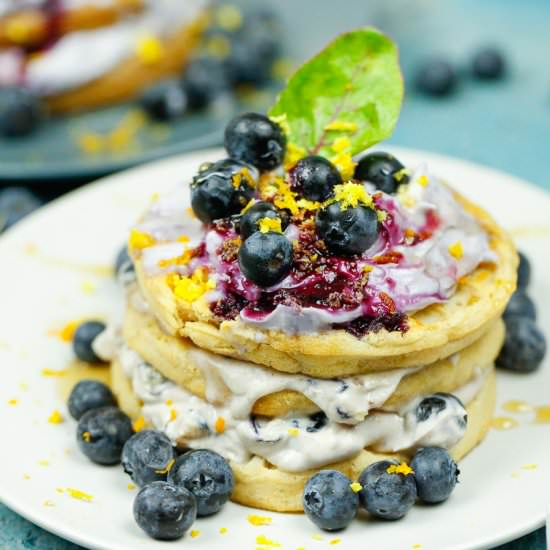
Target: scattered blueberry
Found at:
20, 112
488, 64
88, 395
524, 271
329, 501
123, 263
255, 139
164, 101
436, 77
385, 495
163, 511
261, 209
207, 475
524, 347
204, 81
148, 456
349, 231
266, 258
314, 178
436, 474
383, 170
16, 203
434, 404
221, 189
84, 337
521, 305
101, 434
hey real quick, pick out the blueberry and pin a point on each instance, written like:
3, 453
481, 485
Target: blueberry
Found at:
383, 170
207, 475
88, 395
148, 456
123, 263
329, 501
434, 404
349, 231
520, 305
20, 112
163, 511
436, 474
318, 422
266, 258
488, 64
204, 81
101, 434
260, 210
222, 189
524, 347
16, 203
436, 77
524, 271
84, 337
386, 495
255, 139
314, 178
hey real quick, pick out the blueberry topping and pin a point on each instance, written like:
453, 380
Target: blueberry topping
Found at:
207, 475
524, 271
436, 77
436, 474
249, 220
84, 337
488, 64
433, 405
164, 101
266, 258
88, 395
222, 189
524, 347
349, 231
386, 495
383, 170
521, 305
123, 263
16, 203
204, 80
148, 456
163, 511
318, 422
20, 112
255, 139
315, 178
101, 434
329, 501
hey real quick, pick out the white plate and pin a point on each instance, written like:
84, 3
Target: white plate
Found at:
48, 278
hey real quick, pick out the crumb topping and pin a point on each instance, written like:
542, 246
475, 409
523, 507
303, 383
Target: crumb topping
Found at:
403, 469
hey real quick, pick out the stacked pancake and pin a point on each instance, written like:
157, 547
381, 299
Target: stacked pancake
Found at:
80, 54
289, 388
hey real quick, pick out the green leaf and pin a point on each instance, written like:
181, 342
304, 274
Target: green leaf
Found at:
356, 79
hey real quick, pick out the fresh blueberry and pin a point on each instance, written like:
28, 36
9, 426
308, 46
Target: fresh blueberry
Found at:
207, 475
383, 170
386, 495
524, 347
163, 511
16, 203
255, 139
520, 305
123, 263
349, 231
148, 456
204, 81
249, 220
101, 434
488, 64
436, 77
266, 258
329, 501
436, 474
222, 189
84, 337
20, 112
314, 178
434, 404
88, 395
264, 20
164, 101
524, 271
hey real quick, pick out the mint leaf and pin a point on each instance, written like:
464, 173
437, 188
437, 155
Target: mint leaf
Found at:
353, 89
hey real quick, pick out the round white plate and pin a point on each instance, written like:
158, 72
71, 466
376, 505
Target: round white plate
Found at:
51, 274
